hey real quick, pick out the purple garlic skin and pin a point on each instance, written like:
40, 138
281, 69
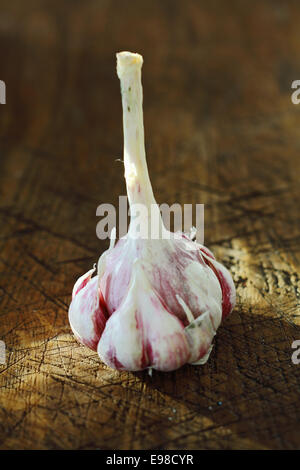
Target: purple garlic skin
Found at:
154, 302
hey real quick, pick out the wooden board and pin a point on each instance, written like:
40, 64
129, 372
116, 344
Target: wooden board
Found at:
220, 130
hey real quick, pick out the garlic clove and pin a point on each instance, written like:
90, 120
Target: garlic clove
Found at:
87, 311
82, 281
225, 280
143, 332
200, 334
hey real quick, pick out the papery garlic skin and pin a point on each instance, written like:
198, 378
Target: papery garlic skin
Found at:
173, 270
154, 303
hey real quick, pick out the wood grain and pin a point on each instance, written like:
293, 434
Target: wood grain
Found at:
220, 130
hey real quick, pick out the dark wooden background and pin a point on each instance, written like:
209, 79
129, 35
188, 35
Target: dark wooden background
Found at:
220, 130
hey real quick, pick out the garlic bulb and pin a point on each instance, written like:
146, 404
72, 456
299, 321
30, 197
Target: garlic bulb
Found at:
156, 301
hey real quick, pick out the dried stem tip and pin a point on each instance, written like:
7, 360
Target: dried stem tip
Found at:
127, 61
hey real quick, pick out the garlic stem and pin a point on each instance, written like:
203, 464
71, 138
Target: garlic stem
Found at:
138, 183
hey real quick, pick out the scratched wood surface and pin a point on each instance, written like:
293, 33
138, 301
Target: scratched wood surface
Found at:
220, 130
